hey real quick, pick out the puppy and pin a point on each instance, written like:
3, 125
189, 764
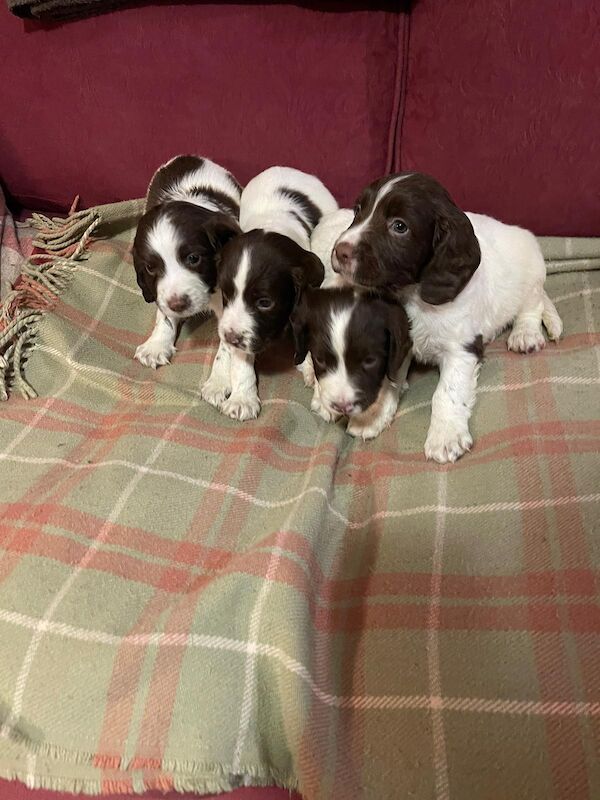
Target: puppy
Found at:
192, 208
359, 347
261, 275
464, 278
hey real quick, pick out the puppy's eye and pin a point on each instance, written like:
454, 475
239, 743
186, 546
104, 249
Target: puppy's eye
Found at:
318, 362
356, 209
264, 304
192, 259
399, 226
369, 362
150, 269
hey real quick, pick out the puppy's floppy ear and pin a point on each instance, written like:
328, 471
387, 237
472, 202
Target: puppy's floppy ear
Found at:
309, 271
399, 338
145, 281
456, 255
219, 229
299, 323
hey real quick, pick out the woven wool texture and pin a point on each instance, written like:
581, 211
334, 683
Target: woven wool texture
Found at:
190, 602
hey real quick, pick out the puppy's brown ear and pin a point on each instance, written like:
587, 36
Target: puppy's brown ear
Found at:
456, 255
299, 323
145, 281
399, 339
220, 229
309, 272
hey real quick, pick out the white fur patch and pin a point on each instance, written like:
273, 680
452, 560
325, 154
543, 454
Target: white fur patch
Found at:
336, 386
208, 176
236, 318
263, 206
177, 280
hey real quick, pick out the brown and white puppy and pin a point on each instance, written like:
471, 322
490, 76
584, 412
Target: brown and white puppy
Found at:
192, 208
464, 278
261, 275
354, 347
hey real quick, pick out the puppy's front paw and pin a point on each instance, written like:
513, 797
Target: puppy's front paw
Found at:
447, 443
365, 431
215, 392
307, 371
526, 339
241, 407
154, 353
318, 408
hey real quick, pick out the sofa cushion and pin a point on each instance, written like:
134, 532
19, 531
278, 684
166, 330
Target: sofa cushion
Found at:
503, 107
96, 105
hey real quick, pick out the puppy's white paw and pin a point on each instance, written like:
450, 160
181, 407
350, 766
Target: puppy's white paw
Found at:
154, 353
241, 407
319, 408
526, 339
215, 392
447, 443
308, 373
365, 432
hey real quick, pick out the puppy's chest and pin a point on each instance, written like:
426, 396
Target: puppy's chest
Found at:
435, 332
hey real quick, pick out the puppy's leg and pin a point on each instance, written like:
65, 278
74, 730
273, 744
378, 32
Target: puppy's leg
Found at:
243, 402
527, 335
307, 370
379, 415
451, 407
318, 408
550, 318
218, 386
159, 348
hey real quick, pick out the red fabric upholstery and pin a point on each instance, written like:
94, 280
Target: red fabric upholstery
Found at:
17, 791
97, 104
499, 100
503, 106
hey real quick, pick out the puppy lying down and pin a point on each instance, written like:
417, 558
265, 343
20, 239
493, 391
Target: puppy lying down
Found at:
353, 348
463, 278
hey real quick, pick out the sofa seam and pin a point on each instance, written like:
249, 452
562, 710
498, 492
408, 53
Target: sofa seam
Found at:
394, 160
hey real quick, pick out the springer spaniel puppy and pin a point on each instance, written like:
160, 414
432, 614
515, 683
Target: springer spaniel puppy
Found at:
464, 278
358, 345
261, 275
192, 208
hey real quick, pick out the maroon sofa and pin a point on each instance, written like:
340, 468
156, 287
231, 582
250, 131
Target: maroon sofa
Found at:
497, 99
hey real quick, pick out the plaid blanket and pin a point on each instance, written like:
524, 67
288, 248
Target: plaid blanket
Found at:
195, 603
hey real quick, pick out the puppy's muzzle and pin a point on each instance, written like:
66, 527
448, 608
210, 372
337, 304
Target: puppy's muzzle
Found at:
345, 408
235, 339
343, 258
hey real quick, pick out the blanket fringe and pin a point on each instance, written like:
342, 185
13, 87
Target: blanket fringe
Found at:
62, 242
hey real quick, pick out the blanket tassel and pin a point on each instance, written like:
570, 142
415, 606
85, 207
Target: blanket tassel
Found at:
63, 243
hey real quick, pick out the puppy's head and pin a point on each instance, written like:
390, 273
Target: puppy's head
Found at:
261, 275
407, 230
356, 340
174, 255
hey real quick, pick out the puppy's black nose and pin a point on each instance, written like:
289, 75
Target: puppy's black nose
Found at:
233, 338
344, 252
178, 303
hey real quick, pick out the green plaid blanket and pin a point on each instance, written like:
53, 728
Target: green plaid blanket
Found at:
195, 603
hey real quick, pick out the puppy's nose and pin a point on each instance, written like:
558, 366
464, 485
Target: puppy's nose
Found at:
344, 253
343, 408
178, 303
233, 338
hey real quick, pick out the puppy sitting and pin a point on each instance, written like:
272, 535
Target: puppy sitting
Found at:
192, 207
464, 277
359, 347
261, 274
